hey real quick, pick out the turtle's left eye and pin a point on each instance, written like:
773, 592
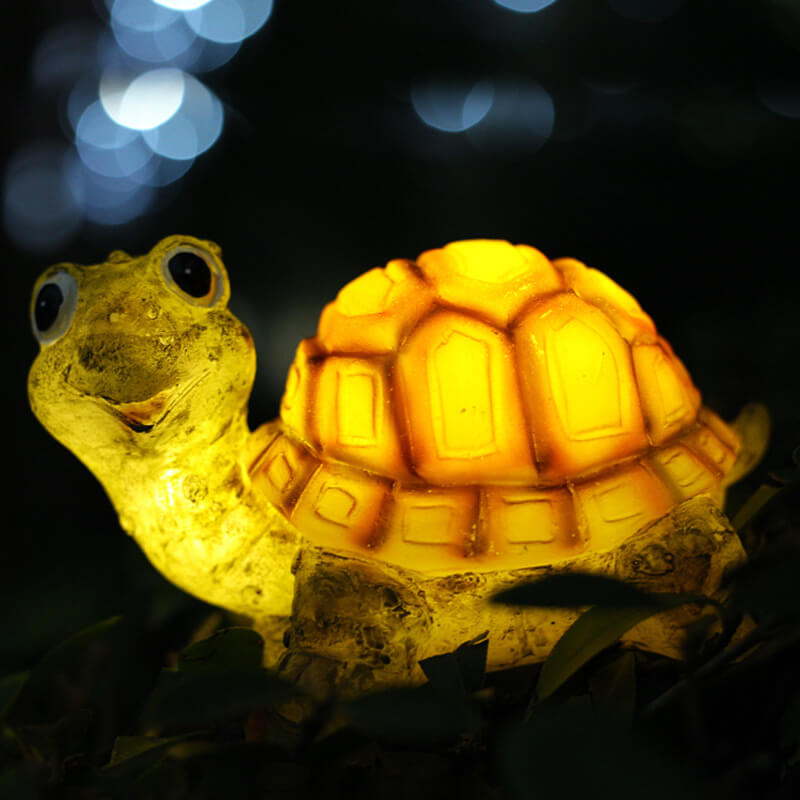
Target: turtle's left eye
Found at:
53, 307
192, 274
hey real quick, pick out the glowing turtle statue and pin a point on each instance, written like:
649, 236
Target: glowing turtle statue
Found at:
459, 424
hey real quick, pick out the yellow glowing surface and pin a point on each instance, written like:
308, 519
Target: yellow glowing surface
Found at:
480, 410
487, 404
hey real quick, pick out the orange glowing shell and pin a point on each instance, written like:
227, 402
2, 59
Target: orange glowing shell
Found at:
486, 408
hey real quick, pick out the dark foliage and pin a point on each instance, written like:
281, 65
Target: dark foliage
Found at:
93, 720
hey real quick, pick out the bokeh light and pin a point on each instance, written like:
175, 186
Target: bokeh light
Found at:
780, 98
137, 115
507, 116
82, 94
521, 119
646, 10
162, 171
193, 128
150, 32
40, 212
142, 15
524, 6
108, 148
106, 200
204, 55
146, 101
182, 5
452, 107
229, 21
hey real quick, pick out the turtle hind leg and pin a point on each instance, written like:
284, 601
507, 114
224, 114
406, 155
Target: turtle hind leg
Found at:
355, 627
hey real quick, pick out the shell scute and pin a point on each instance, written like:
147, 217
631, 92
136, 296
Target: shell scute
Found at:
685, 472
355, 415
578, 387
614, 505
460, 399
494, 279
598, 289
667, 399
711, 448
283, 471
528, 524
375, 311
430, 529
340, 506
720, 429
299, 398
487, 409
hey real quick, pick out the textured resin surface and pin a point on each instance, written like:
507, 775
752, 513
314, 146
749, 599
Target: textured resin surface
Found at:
484, 402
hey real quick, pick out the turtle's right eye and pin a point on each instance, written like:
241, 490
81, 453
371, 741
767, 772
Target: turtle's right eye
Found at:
53, 307
193, 274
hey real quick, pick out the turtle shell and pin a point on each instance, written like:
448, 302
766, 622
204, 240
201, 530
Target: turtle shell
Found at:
486, 408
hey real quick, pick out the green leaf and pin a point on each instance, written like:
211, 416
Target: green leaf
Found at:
65, 657
18, 783
133, 755
575, 589
407, 774
191, 699
443, 672
231, 649
573, 753
419, 716
768, 583
73, 648
471, 658
790, 729
10, 687
753, 506
613, 688
53, 744
127, 748
592, 632
462, 671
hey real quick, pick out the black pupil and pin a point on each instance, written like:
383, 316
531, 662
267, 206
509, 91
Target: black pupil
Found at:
48, 304
191, 273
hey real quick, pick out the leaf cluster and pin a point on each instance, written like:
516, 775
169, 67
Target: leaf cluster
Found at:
594, 720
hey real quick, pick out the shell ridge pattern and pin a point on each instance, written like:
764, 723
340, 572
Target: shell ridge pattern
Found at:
526, 308
399, 412
692, 441
628, 348
439, 441
400, 407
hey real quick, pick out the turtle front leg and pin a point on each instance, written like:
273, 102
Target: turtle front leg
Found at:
354, 626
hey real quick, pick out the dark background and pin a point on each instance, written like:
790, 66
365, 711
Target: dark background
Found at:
664, 169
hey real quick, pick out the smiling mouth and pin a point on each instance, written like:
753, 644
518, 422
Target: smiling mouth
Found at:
141, 417
144, 415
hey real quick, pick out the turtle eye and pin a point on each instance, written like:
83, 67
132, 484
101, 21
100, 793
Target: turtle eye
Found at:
53, 307
192, 274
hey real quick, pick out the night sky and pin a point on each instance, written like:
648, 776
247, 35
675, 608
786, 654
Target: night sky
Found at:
666, 168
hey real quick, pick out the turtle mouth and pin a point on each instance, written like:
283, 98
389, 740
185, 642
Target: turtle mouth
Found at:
143, 416
140, 417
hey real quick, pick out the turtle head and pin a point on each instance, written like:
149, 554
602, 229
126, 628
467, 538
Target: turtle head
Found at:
140, 356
